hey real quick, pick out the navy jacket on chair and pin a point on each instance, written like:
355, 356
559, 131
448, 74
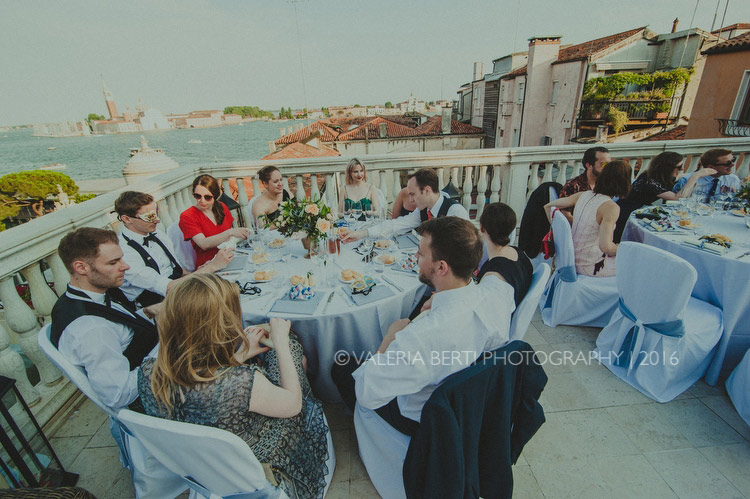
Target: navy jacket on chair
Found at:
474, 427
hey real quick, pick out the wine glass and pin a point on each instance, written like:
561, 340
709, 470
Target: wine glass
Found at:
356, 211
366, 248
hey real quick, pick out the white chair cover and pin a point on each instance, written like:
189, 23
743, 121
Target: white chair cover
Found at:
150, 478
552, 193
521, 318
654, 287
211, 461
738, 387
572, 299
184, 249
382, 449
250, 217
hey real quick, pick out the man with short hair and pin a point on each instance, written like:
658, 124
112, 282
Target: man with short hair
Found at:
593, 161
424, 192
721, 182
108, 338
149, 252
466, 319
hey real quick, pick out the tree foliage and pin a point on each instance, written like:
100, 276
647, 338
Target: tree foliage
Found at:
389, 105
605, 88
248, 111
31, 188
94, 117
286, 113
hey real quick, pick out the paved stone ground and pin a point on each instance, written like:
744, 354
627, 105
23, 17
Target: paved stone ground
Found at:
602, 438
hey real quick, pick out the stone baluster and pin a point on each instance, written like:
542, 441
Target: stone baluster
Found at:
174, 212
481, 190
43, 299
547, 172
577, 168
441, 178
690, 166
495, 184
467, 188
22, 320
179, 202
743, 165
562, 172
314, 190
59, 273
300, 186
331, 199
534, 178
515, 182
644, 166
383, 186
186, 195
256, 186
243, 201
455, 176
373, 176
164, 215
397, 184
228, 191
11, 366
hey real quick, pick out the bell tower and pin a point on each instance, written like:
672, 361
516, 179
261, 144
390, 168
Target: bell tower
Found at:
111, 107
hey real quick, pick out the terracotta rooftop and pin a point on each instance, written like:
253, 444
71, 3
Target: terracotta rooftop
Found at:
737, 44
591, 47
433, 126
732, 27
676, 133
300, 150
516, 72
372, 128
327, 134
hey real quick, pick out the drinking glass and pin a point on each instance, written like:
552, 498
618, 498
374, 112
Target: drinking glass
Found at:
356, 211
703, 209
366, 248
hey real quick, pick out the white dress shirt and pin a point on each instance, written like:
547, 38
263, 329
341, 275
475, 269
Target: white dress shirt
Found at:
402, 225
461, 325
97, 345
140, 276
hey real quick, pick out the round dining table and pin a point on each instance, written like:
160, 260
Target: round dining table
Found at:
335, 321
723, 279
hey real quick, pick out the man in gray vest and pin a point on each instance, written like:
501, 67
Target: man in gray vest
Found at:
149, 252
423, 189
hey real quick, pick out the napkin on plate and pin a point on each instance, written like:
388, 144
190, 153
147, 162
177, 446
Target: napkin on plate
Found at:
407, 241
705, 246
305, 307
376, 293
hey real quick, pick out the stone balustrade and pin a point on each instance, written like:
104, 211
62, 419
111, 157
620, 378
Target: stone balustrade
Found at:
29, 252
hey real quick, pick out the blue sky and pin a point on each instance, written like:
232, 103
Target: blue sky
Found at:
204, 54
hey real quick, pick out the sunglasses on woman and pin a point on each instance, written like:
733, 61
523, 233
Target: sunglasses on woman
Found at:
207, 197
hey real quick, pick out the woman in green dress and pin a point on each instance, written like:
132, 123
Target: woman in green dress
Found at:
207, 372
358, 189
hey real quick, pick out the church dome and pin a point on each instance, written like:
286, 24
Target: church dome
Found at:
147, 162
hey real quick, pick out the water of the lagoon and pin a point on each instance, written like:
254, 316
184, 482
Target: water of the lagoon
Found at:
104, 156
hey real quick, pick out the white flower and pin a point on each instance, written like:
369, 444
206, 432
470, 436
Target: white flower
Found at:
298, 235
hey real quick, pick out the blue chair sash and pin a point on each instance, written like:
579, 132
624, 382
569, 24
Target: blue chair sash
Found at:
630, 349
565, 274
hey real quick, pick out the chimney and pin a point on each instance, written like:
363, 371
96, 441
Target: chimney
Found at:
674, 24
445, 122
478, 70
272, 146
383, 130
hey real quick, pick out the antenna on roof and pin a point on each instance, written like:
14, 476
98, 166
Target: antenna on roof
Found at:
299, 45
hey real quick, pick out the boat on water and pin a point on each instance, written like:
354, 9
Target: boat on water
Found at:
195, 141
51, 148
53, 166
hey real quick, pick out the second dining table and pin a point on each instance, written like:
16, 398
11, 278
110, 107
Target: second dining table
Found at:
334, 321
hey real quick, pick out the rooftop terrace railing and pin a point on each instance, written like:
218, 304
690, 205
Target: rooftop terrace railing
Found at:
29, 252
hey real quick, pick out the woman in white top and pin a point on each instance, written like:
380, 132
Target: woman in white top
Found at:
357, 189
594, 219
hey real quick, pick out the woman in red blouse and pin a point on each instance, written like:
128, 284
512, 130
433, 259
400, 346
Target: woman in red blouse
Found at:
209, 223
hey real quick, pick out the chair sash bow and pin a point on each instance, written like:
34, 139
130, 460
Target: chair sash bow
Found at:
630, 348
565, 274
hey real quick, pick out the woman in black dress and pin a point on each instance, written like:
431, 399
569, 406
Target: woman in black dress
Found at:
655, 184
504, 261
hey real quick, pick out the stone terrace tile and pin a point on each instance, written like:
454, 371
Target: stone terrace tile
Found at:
85, 421
733, 461
691, 475
724, 408
99, 469
699, 424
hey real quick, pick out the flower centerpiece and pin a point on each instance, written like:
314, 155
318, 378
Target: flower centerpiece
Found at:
744, 192
302, 219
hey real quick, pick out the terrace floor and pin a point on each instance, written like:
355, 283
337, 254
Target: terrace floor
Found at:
602, 438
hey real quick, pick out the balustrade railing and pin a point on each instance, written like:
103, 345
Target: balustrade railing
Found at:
733, 128
29, 252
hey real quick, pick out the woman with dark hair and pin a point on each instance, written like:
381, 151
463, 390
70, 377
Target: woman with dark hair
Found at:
207, 373
274, 194
656, 183
504, 261
209, 223
403, 204
357, 189
594, 219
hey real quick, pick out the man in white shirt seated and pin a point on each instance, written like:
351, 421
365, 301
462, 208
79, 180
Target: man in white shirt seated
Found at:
424, 192
465, 320
721, 182
149, 252
107, 338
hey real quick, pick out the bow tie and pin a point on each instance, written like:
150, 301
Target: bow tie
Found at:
150, 237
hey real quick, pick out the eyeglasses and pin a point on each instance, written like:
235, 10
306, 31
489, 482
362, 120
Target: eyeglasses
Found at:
728, 163
248, 289
150, 216
207, 197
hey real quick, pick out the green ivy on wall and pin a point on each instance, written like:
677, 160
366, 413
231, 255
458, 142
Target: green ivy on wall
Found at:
607, 88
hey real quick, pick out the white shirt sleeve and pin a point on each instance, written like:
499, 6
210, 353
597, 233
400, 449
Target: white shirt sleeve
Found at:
458, 210
396, 226
97, 345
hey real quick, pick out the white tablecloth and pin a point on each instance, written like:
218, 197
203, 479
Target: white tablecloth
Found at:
723, 281
357, 330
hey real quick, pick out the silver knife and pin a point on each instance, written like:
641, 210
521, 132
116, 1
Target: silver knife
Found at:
330, 297
399, 288
743, 255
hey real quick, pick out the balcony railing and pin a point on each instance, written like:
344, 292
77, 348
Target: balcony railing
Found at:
29, 252
733, 128
637, 110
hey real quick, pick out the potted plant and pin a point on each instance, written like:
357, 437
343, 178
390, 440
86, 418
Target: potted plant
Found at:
303, 219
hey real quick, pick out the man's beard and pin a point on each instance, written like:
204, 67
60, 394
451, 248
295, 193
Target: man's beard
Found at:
424, 279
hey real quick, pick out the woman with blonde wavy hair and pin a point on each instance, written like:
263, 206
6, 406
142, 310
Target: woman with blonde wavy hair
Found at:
207, 372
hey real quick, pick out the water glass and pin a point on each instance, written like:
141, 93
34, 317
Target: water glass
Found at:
366, 247
356, 210
703, 209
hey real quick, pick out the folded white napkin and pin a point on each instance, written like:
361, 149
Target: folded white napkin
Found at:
230, 243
